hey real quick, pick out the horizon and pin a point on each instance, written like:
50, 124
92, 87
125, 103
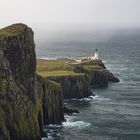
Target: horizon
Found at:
70, 14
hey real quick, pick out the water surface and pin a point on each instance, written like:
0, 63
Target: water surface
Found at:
114, 113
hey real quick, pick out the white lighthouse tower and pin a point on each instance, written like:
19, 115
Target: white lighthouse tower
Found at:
96, 56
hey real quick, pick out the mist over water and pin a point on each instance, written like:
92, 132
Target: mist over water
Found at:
114, 113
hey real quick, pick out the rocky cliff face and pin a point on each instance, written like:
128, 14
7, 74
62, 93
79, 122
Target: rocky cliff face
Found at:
25, 104
19, 110
97, 73
74, 86
53, 106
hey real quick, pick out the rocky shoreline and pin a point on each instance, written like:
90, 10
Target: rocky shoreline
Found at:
30, 99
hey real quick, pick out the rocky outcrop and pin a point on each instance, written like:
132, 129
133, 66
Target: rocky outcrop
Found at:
53, 106
18, 97
97, 72
74, 86
70, 111
26, 103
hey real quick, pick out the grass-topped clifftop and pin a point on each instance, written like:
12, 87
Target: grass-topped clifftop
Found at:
14, 29
65, 67
92, 64
49, 68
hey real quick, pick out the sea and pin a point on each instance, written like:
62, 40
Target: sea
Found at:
114, 112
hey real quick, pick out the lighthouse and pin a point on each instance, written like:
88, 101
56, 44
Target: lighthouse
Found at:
96, 56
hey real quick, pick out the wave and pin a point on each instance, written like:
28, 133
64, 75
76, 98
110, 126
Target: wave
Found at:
44, 138
52, 126
78, 124
100, 99
91, 98
70, 123
123, 68
83, 99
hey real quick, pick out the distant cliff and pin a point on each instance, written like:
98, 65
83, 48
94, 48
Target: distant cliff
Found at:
96, 71
26, 103
76, 78
74, 86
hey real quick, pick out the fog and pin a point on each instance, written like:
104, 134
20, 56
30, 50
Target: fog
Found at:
44, 15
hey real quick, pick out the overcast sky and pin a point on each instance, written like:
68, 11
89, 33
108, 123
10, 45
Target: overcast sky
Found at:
107, 13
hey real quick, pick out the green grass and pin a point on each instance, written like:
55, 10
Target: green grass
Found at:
12, 29
53, 68
53, 65
58, 73
49, 68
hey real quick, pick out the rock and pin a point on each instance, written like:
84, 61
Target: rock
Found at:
19, 107
74, 86
27, 101
53, 106
97, 72
70, 111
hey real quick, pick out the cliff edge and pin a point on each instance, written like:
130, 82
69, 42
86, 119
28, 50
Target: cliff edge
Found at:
98, 74
26, 103
18, 105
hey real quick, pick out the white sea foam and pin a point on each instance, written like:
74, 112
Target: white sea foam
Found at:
85, 99
70, 123
78, 124
53, 126
123, 68
100, 99
44, 138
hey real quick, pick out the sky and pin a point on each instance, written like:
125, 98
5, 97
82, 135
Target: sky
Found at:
66, 13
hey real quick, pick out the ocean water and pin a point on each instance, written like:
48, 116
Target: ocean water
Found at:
114, 113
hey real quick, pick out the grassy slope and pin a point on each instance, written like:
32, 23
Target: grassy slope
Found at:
48, 68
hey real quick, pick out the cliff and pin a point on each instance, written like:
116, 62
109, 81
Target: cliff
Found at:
97, 72
26, 103
53, 106
76, 78
19, 111
74, 85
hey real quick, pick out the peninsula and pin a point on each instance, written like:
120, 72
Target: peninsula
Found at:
32, 97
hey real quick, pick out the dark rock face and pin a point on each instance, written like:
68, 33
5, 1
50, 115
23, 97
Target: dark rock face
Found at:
53, 106
75, 86
98, 78
97, 73
26, 101
19, 109
20, 52
101, 78
70, 111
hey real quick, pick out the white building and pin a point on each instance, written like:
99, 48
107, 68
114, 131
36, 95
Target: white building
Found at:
94, 57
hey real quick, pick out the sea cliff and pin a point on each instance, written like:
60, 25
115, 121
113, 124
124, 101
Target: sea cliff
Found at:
74, 85
27, 102
76, 78
97, 72
31, 98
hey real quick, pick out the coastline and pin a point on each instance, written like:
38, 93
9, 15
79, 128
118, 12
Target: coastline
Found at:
30, 101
